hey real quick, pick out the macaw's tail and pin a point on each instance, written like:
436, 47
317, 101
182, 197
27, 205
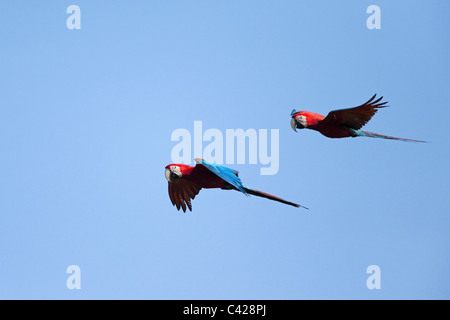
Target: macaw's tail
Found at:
271, 197
376, 135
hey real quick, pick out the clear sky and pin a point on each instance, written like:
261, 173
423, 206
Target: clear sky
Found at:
86, 122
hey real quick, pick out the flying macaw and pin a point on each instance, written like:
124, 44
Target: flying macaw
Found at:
342, 123
185, 182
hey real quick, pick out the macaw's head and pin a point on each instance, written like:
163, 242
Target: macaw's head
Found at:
177, 170
173, 171
298, 120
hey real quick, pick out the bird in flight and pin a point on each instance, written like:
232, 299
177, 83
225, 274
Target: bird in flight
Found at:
342, 123
185, 182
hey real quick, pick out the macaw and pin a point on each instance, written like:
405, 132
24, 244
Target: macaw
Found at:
342, 123
185, 182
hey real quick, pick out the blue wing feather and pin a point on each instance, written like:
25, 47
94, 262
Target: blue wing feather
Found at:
225, 173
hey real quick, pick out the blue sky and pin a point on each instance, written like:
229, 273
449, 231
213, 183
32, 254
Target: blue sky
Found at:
86, 122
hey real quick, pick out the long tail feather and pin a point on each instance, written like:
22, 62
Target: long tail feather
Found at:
376, 135
271, 197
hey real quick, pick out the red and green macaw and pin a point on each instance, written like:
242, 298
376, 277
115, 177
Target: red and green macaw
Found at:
185, 182
342, 123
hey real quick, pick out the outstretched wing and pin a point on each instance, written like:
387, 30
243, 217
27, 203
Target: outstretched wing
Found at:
356, 117
225, 173
181, 191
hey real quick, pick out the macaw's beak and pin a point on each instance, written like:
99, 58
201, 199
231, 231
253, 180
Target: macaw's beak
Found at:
294, 124
168, 174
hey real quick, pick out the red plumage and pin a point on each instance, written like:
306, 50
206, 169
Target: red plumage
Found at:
342, 123
185, 182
